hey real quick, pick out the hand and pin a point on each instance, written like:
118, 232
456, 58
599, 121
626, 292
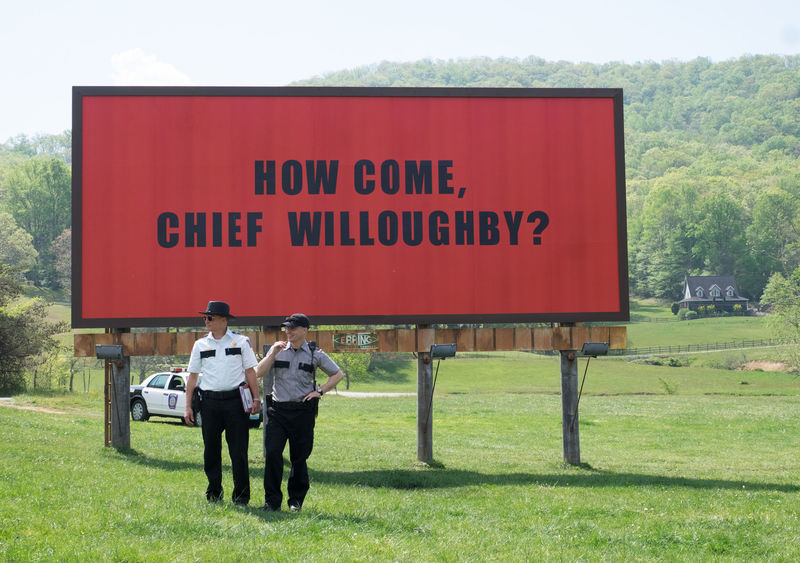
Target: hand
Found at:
255, 408
278, 346
312, 395
188, 416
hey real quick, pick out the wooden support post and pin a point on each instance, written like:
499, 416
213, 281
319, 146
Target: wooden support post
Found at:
120, 403
107, 402
424, 407
118, 395
569, 402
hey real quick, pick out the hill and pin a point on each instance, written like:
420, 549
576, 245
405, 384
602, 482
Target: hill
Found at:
711, 155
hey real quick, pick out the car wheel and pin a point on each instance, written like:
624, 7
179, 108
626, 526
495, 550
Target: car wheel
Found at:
139, 411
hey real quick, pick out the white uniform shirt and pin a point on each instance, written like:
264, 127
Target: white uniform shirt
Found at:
222, 362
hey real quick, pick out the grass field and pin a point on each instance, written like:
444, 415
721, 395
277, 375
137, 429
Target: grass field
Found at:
693, 461
706, 472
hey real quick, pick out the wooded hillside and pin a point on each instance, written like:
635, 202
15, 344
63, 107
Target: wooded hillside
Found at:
711, 156
711, 163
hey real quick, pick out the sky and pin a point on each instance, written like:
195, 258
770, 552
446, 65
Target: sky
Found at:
49, 46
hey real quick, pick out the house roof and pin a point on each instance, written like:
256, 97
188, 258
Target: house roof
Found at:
692, 283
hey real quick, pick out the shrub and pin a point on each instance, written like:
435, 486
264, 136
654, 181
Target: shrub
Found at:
729, 361
691, 315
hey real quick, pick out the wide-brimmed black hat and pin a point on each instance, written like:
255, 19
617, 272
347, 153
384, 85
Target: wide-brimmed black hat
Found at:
219, 308
297, 319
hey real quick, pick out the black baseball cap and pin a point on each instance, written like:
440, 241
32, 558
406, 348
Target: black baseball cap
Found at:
295, 320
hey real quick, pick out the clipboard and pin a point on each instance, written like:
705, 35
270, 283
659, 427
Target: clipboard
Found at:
247, 398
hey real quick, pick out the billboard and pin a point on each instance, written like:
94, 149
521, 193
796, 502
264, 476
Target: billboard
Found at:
353, 205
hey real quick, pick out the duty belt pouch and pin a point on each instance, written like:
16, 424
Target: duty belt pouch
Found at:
196, 400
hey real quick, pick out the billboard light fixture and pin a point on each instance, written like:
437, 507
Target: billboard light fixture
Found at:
442, 351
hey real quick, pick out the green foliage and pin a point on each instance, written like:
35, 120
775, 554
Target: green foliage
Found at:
58, 146
690, 315
27, 339
669, 388
354, 365
782, 295
675, 307
39, 199
16, 247
711, 155
726, 360
62, 260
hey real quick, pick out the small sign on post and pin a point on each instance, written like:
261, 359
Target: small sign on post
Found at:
355, 341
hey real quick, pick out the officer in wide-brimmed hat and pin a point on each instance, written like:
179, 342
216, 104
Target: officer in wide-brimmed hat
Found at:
226, 360
292, 410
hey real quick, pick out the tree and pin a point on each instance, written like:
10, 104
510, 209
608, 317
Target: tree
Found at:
59, 146
353, 364
782, 295
145, 365
720, 242
16, 247
39, 198
25, 332
661, 256
62, 254
774, 232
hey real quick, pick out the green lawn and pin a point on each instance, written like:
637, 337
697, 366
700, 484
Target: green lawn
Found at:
690, 461
707, 330
708, 472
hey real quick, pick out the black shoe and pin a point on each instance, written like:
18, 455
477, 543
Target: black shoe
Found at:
214, 496
268, 508
295, 506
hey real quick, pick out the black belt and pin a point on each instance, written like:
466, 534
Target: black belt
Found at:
219, 394
292, 405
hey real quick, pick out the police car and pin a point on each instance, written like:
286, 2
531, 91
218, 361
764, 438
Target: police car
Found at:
164, 394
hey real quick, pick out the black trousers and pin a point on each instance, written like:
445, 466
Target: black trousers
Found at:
295, 425
226, 415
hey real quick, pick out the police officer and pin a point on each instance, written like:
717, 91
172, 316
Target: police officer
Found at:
291, 412
226, 361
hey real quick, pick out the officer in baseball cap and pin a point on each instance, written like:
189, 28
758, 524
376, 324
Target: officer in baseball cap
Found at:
291, 416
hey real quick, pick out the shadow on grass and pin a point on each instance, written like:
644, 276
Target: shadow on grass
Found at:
392, 371
438, 477
133, 456
448, 478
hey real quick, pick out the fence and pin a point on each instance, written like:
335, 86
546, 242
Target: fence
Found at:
709, 347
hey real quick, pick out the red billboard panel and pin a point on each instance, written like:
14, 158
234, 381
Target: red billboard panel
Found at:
354, 205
